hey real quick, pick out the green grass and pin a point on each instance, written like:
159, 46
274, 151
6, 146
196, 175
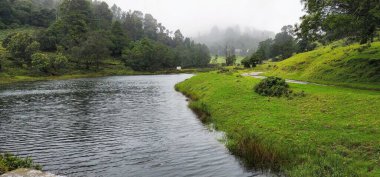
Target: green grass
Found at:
353, 66
9, 162
222, 60
332, 131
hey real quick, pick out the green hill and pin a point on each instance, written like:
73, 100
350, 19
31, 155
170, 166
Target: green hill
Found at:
353, 65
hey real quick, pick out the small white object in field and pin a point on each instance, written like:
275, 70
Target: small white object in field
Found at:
179, 68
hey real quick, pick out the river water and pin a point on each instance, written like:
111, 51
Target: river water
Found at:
111, 126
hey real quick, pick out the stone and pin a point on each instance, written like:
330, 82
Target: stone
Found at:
23, 172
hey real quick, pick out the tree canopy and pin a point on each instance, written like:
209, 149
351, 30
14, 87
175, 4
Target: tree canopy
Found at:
88, 32
327, 21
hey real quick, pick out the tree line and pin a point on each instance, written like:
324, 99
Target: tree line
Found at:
16, 13
83, 33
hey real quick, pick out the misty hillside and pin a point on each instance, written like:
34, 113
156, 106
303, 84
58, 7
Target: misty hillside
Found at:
243, 41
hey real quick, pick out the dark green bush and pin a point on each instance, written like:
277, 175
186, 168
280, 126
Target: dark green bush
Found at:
273, 86
9, 162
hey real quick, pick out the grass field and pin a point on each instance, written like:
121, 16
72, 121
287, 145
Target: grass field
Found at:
354, 65
332, 131
222, 60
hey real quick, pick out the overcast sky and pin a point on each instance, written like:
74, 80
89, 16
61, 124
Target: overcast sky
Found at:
197, 16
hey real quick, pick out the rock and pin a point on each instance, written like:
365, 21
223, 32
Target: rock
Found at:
23, 172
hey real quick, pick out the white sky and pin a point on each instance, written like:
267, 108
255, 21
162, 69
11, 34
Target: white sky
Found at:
195, 16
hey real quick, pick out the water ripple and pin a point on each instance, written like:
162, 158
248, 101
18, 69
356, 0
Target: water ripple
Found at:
112, 126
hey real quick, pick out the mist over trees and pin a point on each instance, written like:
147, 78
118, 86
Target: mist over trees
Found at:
244, 42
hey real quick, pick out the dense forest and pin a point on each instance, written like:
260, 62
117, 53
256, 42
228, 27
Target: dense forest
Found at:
82, 33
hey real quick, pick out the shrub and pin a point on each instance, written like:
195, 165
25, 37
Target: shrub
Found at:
48, 64
40, 62
59, 61
21, 47
273, 86
9, 162
246, 62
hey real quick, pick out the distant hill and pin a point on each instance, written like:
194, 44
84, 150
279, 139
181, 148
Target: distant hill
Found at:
243, 41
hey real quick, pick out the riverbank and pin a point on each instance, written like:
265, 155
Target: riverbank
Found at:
331, 131
10, 162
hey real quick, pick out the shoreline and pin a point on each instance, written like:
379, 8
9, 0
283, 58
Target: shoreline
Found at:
23, 79
270, 133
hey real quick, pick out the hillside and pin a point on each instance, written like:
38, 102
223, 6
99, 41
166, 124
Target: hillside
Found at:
354, 65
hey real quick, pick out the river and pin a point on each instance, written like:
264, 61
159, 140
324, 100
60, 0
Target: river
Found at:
112, 126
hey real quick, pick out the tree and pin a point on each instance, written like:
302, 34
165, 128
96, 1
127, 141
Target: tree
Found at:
230, 60
163, 35
117, 12
251, 61
264, 49
150, 27
148, 55
102, 16
118, 38
133, 25
93, 50
230, 55
48, 64
21, 46
284, 43
72, 25
201, 55
40, 62
178, 38
5, 13
43, 17
338, 19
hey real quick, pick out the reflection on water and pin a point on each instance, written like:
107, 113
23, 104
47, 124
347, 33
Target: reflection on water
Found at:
111, 126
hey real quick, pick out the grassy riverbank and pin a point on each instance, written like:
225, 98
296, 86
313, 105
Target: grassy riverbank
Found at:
331, 131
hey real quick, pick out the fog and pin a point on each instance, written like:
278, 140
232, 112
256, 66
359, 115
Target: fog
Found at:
196, 17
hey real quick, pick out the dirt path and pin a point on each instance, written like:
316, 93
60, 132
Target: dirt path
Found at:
258, 75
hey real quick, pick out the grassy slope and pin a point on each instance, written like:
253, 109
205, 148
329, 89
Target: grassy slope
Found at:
331, 131
353, 65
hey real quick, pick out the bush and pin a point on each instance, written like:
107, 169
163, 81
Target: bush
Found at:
58, 61
9, 162
273, 86
40, 62
48, 64
246, 62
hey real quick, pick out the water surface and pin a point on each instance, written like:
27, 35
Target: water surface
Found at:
111, 126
